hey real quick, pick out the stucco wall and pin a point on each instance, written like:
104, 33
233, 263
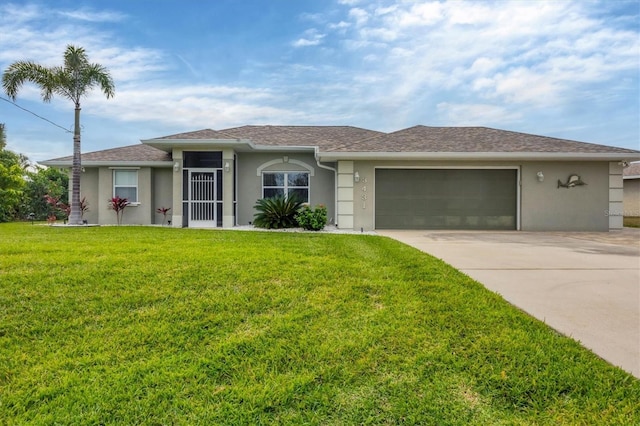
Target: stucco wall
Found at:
140, 214
162, 195
89, 190
631, 197
249, 182
543, 206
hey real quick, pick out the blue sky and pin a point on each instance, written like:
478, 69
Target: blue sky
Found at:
567, 69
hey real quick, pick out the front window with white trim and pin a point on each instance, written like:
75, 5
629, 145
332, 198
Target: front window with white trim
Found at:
286, 183
125, 184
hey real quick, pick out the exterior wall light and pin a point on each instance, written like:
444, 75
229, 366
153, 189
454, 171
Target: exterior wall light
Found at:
356, 177
285, 159
227, 167
540, 177
176, 166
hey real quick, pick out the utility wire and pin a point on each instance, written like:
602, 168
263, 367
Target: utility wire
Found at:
39, 116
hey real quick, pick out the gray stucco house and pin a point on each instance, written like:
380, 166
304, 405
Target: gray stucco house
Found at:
631, 193
416, 178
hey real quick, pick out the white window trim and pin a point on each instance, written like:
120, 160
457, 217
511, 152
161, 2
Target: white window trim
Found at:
302, 164
133, 169
286, 187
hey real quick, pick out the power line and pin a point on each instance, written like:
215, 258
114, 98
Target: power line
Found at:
39, 116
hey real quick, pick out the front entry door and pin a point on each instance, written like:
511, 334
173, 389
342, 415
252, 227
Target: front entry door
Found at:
203, 198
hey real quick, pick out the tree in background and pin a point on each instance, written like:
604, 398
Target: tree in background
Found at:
44, 181
73, 81
3, 137
11, 184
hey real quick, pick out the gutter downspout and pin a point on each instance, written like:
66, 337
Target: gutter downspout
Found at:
335, 182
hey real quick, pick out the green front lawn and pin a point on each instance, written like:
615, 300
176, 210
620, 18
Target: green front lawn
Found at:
134, 325
632, 221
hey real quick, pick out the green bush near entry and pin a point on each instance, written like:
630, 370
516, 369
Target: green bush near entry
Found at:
312, 219
277, 212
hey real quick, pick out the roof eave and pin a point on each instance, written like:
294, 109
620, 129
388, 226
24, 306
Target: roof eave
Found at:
167, 145
448, 156
107, 163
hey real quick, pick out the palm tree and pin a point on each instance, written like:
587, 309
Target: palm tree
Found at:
3, 137
72, 80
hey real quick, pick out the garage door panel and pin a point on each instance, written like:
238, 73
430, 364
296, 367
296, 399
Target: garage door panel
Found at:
446, 199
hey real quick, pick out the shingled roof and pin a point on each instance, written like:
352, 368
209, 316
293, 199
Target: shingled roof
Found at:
336, 142
199, 135
139, 153
633, 171
414, 139
325, 137
473, 139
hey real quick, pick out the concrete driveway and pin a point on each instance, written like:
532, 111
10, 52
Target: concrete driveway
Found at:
584, 285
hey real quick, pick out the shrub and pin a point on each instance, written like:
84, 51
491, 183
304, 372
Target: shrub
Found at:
312, 220
163, 211
64, 209
277, 212
118, 205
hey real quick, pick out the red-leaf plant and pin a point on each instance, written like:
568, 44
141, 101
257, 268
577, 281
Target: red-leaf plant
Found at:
163, 211
65, 208
118, 205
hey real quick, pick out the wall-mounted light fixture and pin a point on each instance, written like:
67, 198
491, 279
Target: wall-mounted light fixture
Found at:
285, 159
356, 177
227, 167
540, 177
83, 170
176, 166
624, 164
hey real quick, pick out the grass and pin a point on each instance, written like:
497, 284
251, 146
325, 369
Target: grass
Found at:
631, 221
133, 325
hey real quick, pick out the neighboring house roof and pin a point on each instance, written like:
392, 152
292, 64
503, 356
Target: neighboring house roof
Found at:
632, 172
347, 142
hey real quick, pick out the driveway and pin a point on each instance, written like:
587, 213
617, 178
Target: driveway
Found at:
584, 285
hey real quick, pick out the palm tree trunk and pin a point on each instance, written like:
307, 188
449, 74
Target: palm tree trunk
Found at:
75, 217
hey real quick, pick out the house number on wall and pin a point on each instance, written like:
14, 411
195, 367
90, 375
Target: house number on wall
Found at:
364, 194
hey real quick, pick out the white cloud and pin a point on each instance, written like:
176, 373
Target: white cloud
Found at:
340, 26
476, 114
360, 16
511, 52
311, 38
89, 15
383, 65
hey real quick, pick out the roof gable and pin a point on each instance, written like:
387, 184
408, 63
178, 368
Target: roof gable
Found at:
473, 139
125, 154
324, 137
199, 134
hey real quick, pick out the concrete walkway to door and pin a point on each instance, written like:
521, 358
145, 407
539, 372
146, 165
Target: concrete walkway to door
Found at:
585, 285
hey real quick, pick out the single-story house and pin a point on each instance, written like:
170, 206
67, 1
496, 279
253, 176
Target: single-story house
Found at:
631, 193
416, 178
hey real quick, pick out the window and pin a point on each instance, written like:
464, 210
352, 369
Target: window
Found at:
125, 184
286, 183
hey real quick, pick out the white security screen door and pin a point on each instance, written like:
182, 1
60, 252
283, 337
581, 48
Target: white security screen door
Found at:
202, 198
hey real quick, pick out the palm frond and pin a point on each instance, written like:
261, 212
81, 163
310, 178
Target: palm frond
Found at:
277, 212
